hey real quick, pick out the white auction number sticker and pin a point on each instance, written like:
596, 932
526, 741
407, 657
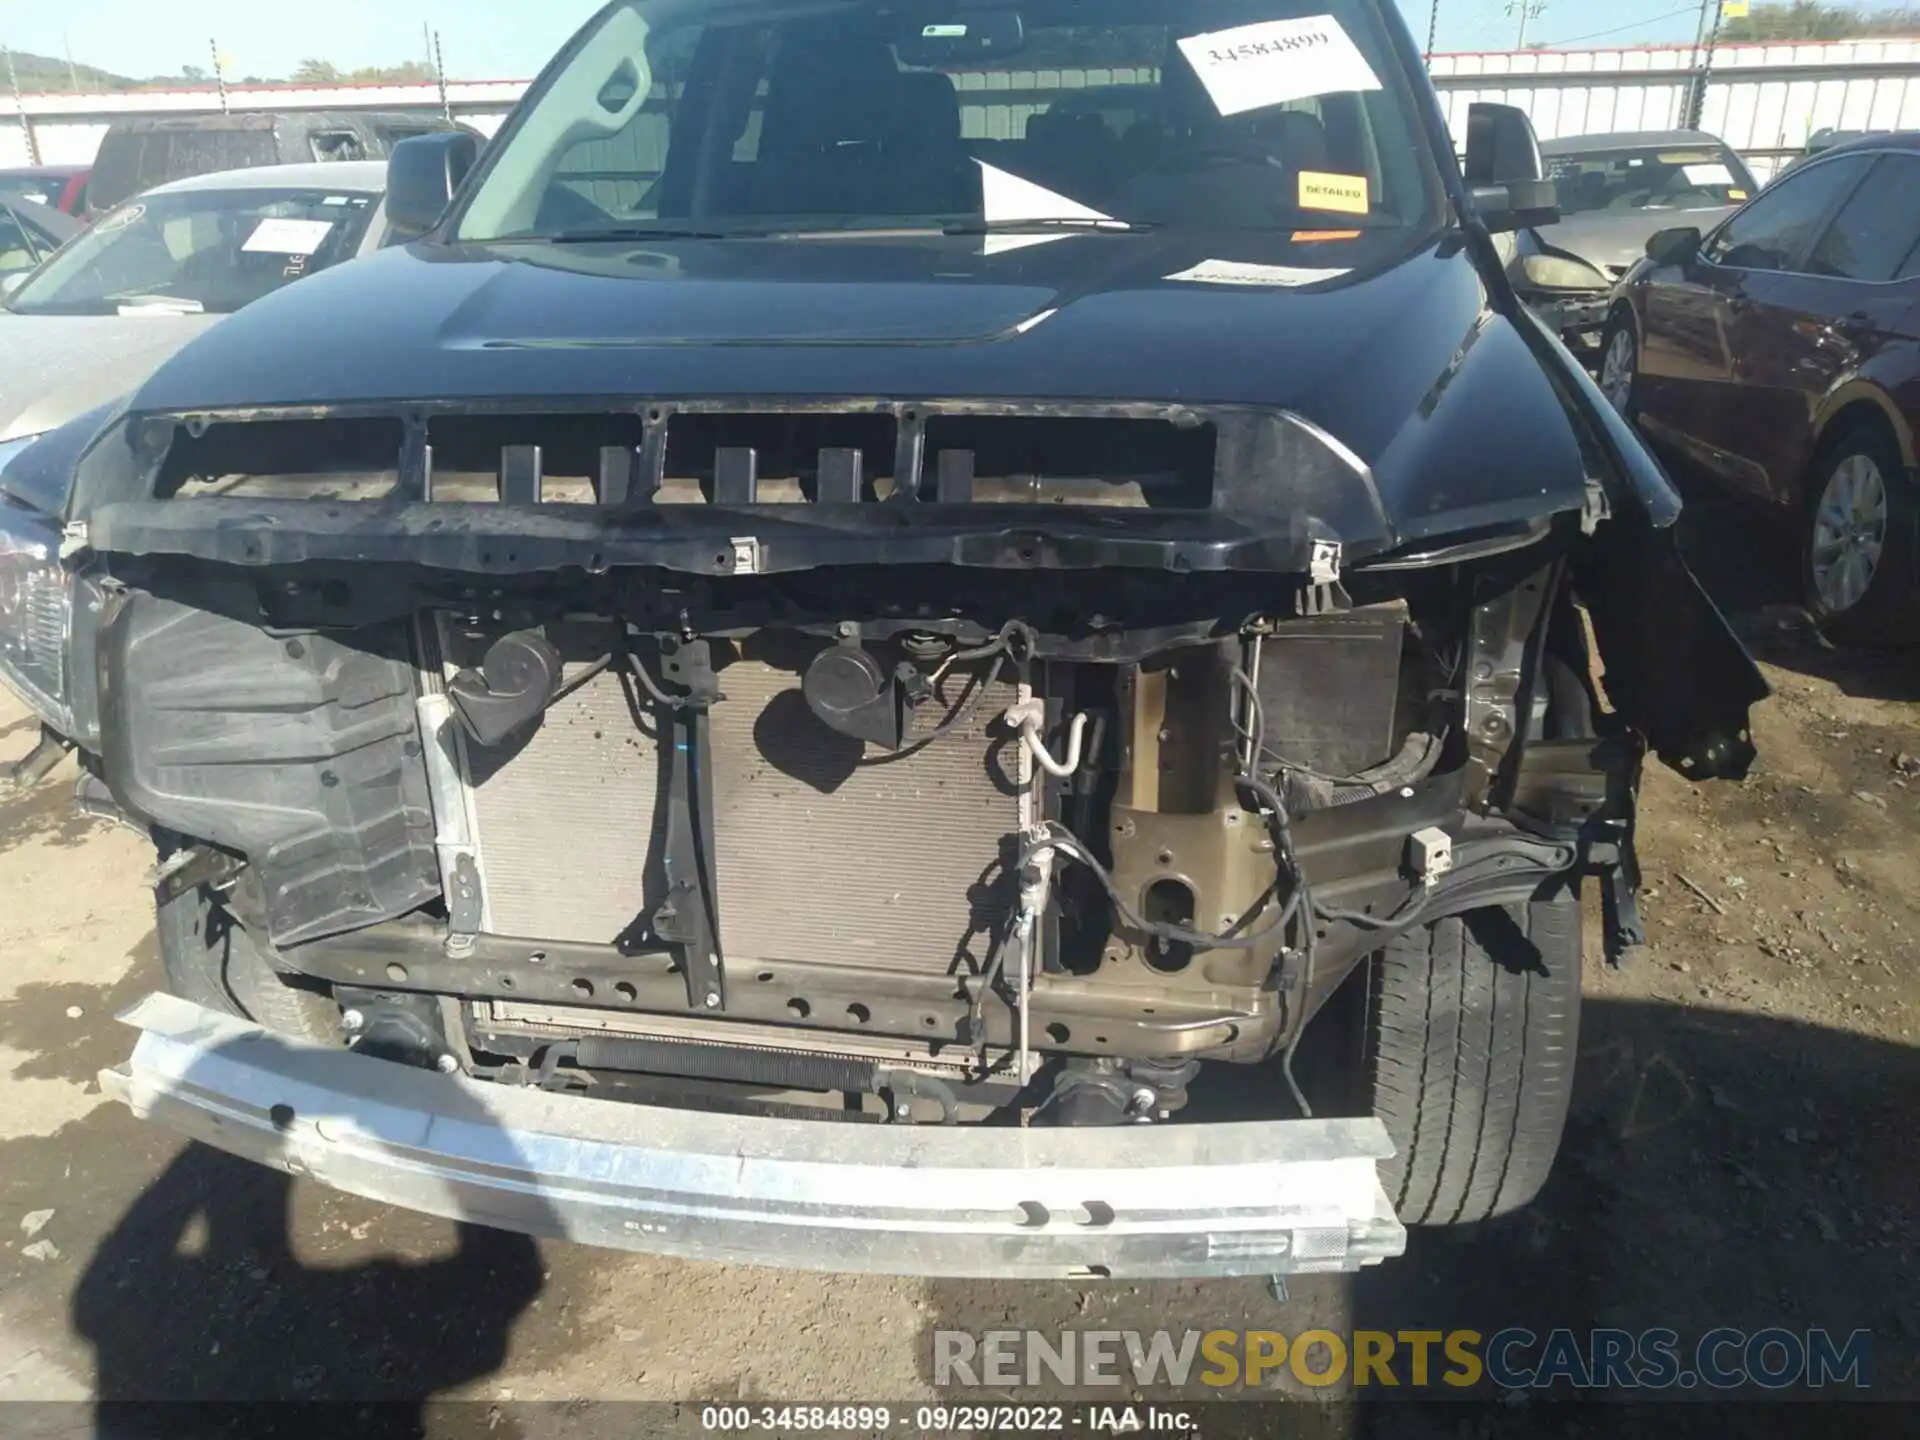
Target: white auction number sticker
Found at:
279, 236
1239, 272
1708, 175
1254, 66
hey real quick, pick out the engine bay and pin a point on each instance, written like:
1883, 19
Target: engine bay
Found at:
896, 843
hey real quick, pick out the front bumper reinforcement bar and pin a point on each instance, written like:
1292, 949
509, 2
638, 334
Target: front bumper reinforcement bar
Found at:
1266, 1198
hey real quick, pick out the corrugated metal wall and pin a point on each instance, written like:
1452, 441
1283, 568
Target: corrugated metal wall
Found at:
1763, 99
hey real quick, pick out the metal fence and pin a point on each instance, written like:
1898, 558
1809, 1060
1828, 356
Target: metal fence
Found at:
1765, 100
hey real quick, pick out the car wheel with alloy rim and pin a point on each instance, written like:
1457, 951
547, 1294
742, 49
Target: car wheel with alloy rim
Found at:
1620, 365
1857, 555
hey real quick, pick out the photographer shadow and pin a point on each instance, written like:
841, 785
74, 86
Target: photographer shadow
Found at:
197, 1302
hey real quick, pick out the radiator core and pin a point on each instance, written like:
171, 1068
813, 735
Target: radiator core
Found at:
827, 850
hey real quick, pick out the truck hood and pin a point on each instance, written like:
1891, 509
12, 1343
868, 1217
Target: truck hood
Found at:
54, 368
1396, 355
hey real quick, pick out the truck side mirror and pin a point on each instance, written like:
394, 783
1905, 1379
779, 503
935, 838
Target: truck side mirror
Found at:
423, 174
1505, 171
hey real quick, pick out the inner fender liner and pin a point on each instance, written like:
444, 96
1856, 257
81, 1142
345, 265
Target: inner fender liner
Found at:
299, 752
1673, 668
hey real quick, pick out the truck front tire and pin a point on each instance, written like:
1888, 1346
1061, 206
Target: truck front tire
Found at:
210, 960
1473, 1034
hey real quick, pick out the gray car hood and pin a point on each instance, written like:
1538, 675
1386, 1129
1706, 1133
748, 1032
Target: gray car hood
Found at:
1614, 240
56, 367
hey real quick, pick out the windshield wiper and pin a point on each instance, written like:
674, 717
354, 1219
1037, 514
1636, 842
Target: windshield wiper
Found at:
629, 232
1045, 222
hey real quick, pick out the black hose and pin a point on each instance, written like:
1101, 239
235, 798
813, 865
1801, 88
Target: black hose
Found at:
597, 668
630, 663
1286, 856
1065, 841
1000, 648
967, 707
1410, 910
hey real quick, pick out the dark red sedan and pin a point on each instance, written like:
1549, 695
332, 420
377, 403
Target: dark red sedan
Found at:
58, 187
1780, 353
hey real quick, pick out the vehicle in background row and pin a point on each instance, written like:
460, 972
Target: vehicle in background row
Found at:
1614, 192
1826, 139
58, 187
145, 279
29, 233
137, 155
1781, 355
791, 607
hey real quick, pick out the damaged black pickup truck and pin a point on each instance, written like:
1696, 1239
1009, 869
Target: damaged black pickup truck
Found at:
940, 638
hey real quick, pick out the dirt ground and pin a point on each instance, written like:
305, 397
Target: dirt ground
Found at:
1742, 1151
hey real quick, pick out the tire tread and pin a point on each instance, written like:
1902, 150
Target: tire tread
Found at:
1472, 1058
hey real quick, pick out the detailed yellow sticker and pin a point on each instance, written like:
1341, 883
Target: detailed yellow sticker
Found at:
1345, 193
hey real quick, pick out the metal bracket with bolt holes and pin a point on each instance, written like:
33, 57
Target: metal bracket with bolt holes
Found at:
463, 905
689, 916
191, 868
39, 762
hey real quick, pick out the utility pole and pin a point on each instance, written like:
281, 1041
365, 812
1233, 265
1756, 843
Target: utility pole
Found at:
20, 108
219, 73
1528, 11
73, 75
1712, 13
440, 75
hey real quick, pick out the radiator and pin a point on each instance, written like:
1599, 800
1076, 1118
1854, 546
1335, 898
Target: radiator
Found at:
826, 850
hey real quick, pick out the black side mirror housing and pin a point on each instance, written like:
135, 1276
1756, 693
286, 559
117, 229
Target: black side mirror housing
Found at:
1505, 171
1675, 246
422, 176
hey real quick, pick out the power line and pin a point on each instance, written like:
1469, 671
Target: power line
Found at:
1635, 25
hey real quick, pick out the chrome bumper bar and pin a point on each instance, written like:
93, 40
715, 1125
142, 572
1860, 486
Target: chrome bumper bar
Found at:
1134, 1200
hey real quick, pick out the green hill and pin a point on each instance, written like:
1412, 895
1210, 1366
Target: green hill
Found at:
40, 74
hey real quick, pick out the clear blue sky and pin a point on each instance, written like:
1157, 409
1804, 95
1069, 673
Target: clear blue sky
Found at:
510, 39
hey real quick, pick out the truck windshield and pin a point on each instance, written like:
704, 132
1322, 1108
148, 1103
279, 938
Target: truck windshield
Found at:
197, 251
670, 117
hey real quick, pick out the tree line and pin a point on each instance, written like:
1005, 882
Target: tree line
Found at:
46, 74
1814, 20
